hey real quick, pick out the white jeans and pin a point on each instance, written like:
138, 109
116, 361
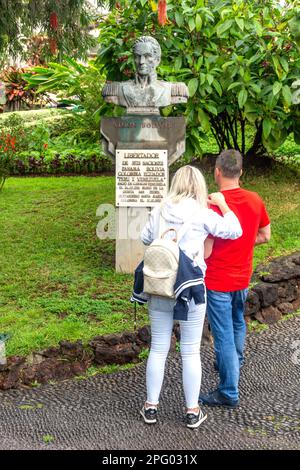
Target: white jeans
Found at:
161, 317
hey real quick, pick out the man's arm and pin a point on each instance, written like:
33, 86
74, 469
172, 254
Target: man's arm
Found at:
263, 235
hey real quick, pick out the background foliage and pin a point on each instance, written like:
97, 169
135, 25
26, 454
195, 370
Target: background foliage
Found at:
240, 60
64, 23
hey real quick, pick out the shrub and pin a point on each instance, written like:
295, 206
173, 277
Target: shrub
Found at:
59, 158
7, 155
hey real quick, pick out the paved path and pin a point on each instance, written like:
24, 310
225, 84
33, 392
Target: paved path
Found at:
102, 412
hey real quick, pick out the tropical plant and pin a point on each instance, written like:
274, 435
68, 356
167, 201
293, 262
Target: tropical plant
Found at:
17, 96
7, 155
239, 59
77, 85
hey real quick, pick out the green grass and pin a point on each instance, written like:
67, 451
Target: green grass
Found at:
255, 327
57, 279
109, 369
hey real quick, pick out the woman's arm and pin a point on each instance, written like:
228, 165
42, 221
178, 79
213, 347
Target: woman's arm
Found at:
148, 232
217, 199
225, 227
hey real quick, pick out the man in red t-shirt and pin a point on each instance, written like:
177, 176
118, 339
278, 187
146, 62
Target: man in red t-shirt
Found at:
229, 269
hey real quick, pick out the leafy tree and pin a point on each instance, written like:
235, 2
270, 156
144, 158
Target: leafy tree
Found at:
65, 23
239, 58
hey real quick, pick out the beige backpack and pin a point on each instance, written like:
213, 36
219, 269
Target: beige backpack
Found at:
161, 262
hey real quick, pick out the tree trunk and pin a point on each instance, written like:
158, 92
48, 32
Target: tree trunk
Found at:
257, 147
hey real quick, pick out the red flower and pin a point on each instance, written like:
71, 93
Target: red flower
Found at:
45, 146
54, 21
162, 12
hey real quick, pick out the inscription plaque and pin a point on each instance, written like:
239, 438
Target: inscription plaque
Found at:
141, 177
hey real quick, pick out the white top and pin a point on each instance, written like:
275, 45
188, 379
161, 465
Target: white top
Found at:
202, 222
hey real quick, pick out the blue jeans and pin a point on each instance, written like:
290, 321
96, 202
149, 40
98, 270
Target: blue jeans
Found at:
225, 311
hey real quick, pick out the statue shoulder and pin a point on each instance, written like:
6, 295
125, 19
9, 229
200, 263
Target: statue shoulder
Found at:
111, 89
179, 89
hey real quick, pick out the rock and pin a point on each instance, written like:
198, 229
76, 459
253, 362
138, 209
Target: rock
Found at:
111, 340
71, 350
252, 303
287, 291
269, 315
286, 308
295, 257
282, 269
50, 352
52, 369
16, 360
144, 335
258, 316
35, 358
128, 338
296, 304
79, 368
10, 378
124, 354
28, 375
267, 293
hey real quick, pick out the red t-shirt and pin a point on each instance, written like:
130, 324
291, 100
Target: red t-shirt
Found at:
229, 267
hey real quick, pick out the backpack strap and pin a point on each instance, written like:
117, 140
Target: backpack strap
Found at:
179, 233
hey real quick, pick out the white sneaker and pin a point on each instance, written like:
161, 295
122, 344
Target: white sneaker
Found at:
193, 420
149, 415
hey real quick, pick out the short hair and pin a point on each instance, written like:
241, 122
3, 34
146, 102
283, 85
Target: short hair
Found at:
188, 182
154, 45
230, 162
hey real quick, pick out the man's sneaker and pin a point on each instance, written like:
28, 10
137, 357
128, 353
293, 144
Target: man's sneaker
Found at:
193, 420
149, 415
215, 398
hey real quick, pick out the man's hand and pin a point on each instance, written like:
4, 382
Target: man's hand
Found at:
263, 235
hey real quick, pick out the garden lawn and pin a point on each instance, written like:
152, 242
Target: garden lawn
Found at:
57, 279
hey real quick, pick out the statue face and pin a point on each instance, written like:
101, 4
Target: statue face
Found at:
145, 60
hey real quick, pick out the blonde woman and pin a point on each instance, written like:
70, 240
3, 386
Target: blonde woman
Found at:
186, 203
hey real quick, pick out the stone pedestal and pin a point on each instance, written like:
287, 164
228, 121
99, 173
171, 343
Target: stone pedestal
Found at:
142, 147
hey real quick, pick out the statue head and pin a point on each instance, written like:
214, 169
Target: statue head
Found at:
147, 54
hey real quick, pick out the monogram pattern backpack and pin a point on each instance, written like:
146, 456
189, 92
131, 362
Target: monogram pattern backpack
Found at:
161, 262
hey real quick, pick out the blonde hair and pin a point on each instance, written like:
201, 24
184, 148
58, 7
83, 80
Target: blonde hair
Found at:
188, 182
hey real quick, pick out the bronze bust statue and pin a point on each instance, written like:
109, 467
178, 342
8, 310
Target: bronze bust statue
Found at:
145, 94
